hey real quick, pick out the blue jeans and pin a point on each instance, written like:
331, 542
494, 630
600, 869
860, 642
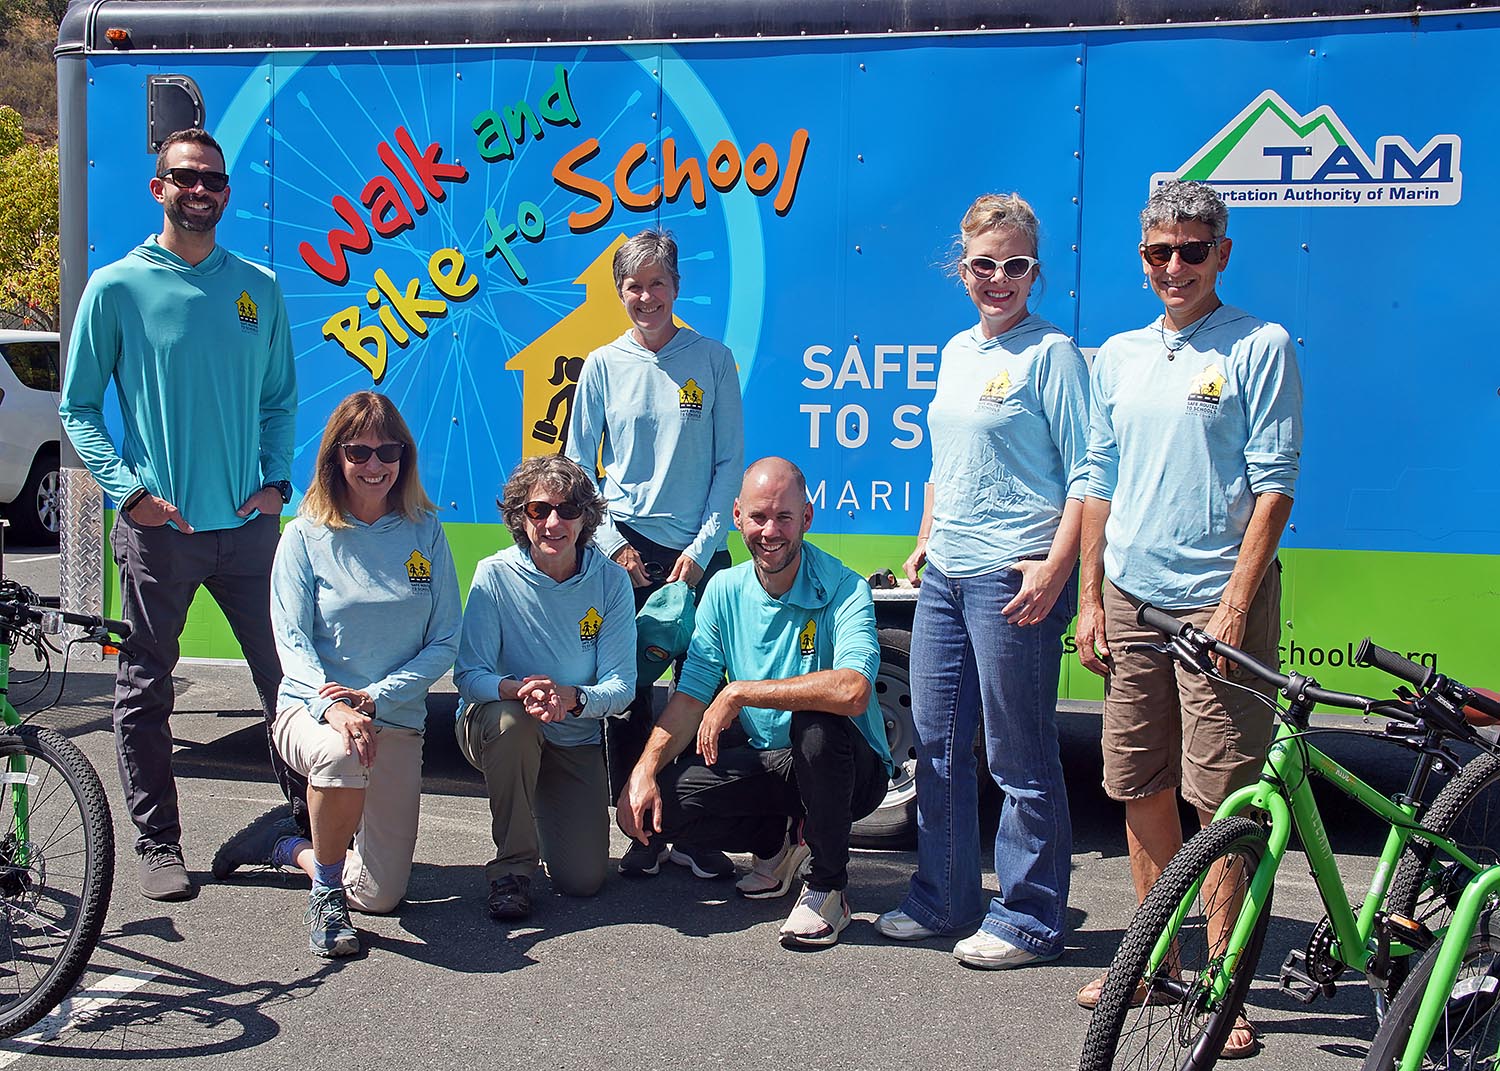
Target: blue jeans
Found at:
967, 659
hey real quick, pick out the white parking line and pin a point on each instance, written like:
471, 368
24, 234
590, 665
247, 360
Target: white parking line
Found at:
78, 1008
33, 558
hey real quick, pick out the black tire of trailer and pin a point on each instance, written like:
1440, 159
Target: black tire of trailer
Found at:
894, 823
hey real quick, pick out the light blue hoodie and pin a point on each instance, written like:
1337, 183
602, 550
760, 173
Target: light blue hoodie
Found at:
520, 623
201, 358
373, 607
672, 436
1182, 442
1009, 429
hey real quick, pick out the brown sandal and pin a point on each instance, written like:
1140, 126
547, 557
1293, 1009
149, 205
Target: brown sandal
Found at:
1231, 1051
1088, 996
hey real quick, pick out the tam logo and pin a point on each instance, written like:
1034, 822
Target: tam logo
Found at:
1272, 156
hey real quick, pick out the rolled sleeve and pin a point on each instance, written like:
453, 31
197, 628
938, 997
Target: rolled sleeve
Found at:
856, 643
1273, 416
1103, 457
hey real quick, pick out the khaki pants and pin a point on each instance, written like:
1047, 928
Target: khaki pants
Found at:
378, 867
547, 802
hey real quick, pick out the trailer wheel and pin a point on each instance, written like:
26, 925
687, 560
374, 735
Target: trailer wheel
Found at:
894, 823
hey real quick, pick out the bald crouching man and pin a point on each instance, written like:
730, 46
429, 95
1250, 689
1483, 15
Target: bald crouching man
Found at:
792, 752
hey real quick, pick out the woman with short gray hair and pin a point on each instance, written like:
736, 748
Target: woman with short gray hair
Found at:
1193, 452
658, 412
546, 652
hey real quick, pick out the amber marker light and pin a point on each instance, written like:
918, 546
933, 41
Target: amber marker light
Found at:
117, 37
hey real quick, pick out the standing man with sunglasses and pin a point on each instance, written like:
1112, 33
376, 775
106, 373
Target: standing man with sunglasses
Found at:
197, 343
1196, 430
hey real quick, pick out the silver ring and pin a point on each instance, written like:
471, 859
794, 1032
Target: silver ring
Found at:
359, 736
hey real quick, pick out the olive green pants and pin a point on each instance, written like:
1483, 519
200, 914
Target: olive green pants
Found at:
547, 803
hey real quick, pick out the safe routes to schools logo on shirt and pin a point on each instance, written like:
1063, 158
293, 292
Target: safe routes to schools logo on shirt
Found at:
589, 625
249, 315
1271, 156
807, 639
996, 390
690, 400
1205, 391
419, 571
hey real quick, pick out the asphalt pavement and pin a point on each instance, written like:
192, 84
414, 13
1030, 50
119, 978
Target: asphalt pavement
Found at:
670, 972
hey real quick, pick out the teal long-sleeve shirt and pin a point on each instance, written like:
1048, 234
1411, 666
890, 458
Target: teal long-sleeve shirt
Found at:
825, 621
670, 431
201, 360
520, 623
372, 607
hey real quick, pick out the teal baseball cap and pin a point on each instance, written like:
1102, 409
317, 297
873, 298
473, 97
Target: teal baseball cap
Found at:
663, 628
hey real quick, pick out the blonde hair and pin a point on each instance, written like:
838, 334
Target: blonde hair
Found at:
995, 212
362, 413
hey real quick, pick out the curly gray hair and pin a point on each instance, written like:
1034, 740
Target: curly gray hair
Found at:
648, 247
1180, 201
557, 475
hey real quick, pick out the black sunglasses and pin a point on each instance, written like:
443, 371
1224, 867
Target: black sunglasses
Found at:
1159, 254
1013, 267
185, 178
539, 511
390, 453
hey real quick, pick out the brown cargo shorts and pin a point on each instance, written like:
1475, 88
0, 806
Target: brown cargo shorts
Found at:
1165, 727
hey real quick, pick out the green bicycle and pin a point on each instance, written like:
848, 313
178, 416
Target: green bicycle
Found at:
1186, 962
57, 848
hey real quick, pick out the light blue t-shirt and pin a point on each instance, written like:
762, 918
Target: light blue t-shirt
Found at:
201, 359
519, 623
672, 438
1009, 429
826, 620
1181, 445
373, 607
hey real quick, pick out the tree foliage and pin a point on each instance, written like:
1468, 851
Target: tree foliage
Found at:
29, 252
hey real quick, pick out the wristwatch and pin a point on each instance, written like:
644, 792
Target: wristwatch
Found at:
581, 702
282, 488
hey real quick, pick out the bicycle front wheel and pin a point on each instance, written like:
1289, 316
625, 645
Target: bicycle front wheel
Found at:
1467, 1033
57, 861
1167, 1017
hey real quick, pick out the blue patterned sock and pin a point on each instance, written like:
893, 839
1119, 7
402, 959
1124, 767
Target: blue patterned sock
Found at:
330, 875
286, 849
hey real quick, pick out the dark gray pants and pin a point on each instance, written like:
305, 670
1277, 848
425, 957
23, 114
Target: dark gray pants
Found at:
161, 569
830, 778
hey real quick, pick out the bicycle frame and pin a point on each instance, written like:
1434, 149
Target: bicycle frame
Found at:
1484, 887
16, 775
1289, 762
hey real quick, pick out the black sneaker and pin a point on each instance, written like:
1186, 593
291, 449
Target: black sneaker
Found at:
164, 876
705, 863
252, 845
510, 897
644, 860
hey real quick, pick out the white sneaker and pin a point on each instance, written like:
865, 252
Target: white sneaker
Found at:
899, 926
773, 877
817, 920
993, 953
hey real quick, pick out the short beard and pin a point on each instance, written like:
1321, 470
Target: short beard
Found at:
197, 225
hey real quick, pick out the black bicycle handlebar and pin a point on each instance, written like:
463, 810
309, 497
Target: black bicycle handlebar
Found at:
20, 606
1295, 688
1372, 654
